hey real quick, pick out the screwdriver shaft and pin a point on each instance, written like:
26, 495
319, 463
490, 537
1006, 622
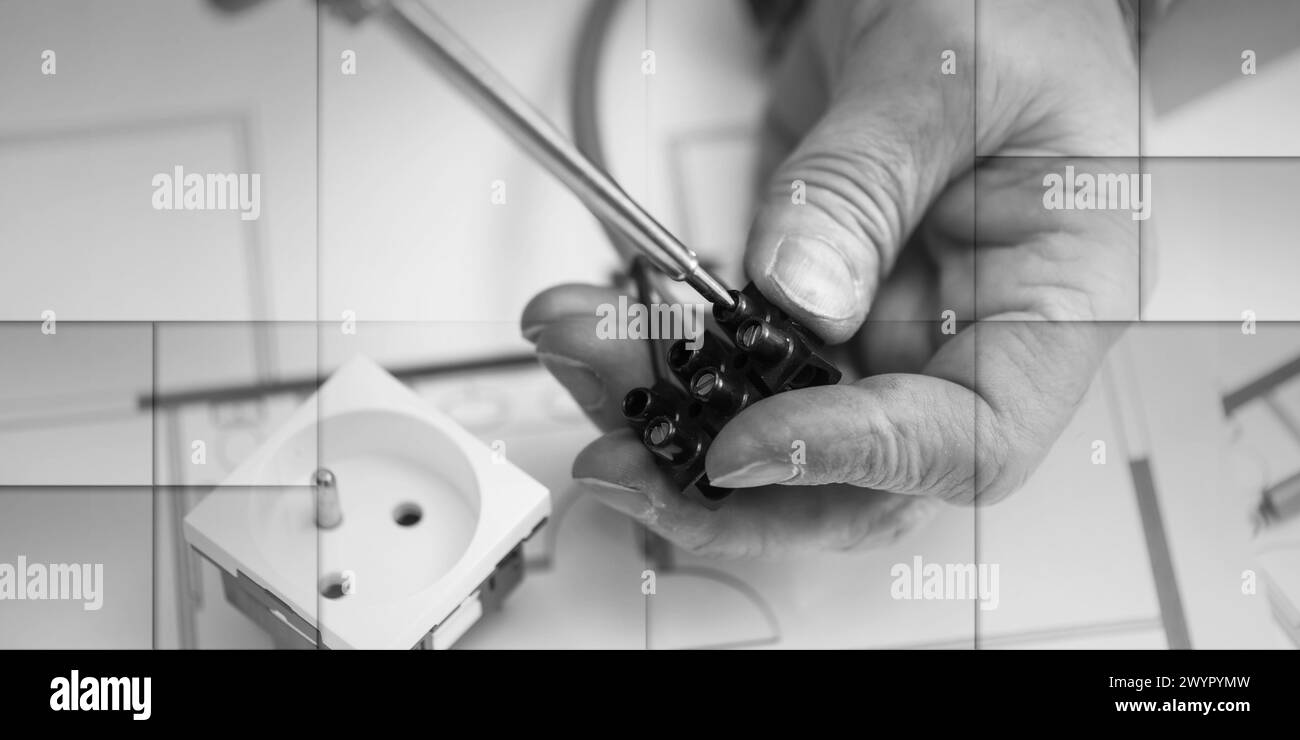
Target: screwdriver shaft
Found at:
597, 190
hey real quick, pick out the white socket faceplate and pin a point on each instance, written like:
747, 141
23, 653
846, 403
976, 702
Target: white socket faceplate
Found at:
393, 456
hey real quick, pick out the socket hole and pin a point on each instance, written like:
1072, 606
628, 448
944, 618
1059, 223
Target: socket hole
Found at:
331, 586
695, 409
407, 515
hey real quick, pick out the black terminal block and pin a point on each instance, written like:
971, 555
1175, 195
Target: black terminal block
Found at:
756, 352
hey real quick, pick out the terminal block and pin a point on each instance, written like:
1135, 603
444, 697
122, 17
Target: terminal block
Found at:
757, 351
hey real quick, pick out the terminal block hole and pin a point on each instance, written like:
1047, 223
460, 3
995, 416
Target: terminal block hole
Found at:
680, 356
636, 402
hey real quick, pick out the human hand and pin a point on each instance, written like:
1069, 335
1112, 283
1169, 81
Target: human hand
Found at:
892, 233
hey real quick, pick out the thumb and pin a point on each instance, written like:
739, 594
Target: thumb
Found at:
940, 434
909, 434
838, 209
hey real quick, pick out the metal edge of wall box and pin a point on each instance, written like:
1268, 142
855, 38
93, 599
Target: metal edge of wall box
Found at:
291, 631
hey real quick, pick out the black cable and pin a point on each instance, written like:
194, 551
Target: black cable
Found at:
584, 109
584, 100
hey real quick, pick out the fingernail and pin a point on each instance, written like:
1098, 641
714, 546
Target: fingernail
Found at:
814, 275
532, 328
756, 474
531, 332
623, 499
580, 380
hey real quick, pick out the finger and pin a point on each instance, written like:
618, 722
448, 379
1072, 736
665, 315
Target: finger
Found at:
899, 335
837, 210
597, 371
562, 302
950, 434
618, 471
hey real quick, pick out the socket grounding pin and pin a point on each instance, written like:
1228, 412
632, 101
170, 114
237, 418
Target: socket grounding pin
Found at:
328, 512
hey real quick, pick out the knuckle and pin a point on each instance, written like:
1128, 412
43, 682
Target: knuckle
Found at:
999, 471
891, 455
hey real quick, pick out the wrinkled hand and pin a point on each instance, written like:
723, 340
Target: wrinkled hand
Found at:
888, 239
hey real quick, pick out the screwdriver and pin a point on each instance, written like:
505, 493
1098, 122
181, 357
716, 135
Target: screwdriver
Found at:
486, 88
